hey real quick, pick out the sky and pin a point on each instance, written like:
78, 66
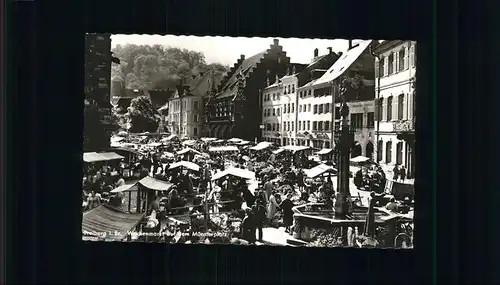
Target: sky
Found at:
226, 50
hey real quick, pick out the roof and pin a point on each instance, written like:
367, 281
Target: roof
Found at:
309, 84
106, 220
155, 184
90, 157
185, 164
160, 97
238, 172
245, 67
133, 93
343, 63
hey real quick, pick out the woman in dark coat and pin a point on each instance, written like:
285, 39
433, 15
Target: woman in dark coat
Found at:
248, 227
287, 206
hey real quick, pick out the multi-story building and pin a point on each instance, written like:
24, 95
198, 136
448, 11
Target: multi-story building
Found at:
98, 59
282, 109
234, 109
351, 77
395, 67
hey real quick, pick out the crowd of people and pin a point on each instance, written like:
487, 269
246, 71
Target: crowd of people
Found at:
268, 200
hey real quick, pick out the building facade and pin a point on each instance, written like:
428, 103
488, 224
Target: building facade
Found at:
234, 109
349, 78
395, 104
98, 124
284, 102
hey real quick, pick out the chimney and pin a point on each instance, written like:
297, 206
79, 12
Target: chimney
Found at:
329, 50
350, 45
276, 42
315, 52
242, 57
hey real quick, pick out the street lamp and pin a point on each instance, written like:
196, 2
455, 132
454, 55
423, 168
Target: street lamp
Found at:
262, 127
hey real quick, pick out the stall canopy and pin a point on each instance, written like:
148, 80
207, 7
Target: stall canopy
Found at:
185, 164
325, 151
102, 156
359, 159
122, 133
189, 142
125, 188
117, 139
279, 150
186, 150
319, 170
234, 140
155, 184
238, 172
223, 148
208, 139
105, 220
295, 148
169, 138
243, 143
261, 146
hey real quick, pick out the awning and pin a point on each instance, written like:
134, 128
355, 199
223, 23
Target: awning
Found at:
295, 148
114, 223
279, 150
319, 170
324, 151
155, 184
92, 157
359, 159
125, 188
111, 156
189, 142
223, 148
261, 146
186, 164
208, 139
238, 172
186, 150
234, 140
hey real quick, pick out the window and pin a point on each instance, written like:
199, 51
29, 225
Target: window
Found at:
268, 127
327, 125
300, 108
299, 125
315, 126
303, 125
388, 152
273, 127
357, 120
401, 60
274, 111
195, 118
412, 55
399, 153
293, 107
381, 66
327, 108
274, 96
309, 93
195, 105
327, 144
400, 106
293, 126
320, 125
293, 88
308, 125
391, 64
377, 68
284, 126
320, 109
315, 109
337, 125
284, 90
279, 111
288, 126
309, 108
389, 108
379, 108
380, 146
370, 120
288, 108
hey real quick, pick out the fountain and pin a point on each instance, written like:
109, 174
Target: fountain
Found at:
344, 214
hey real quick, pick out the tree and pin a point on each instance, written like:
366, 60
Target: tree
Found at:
159, 67
142, 116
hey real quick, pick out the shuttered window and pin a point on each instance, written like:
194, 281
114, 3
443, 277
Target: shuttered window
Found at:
389, 108
401, 106
412, 55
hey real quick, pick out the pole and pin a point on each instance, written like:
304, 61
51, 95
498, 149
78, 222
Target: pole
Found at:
377, 107
334, 109
207, 215
282, 127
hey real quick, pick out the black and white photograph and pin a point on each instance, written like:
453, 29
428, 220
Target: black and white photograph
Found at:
249, 141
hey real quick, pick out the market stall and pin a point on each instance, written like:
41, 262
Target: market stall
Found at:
227, 148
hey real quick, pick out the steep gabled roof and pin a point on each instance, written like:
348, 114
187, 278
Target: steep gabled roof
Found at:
228, 87
343, 63
160, 97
